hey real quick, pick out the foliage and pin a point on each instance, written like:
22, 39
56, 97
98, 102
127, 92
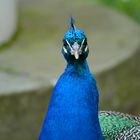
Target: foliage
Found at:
130, 7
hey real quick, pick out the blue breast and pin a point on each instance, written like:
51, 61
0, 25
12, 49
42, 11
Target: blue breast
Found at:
73, 109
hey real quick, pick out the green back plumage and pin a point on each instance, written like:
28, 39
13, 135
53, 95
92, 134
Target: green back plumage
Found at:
114, 123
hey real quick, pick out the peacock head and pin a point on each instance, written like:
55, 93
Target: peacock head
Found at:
75, 46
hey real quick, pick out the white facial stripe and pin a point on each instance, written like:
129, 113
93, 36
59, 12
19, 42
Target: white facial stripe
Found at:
82, 45
65, 50
86, 48
69, 45
68, 42
82, 42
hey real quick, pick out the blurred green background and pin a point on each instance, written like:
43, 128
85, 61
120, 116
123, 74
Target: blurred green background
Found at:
129, 7
31, 62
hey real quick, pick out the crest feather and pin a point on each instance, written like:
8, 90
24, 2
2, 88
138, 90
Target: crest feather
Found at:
72, 22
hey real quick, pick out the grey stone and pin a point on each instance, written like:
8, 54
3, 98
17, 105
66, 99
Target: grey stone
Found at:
112, 37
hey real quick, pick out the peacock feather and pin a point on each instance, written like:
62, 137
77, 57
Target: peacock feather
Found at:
73, 110
114, 125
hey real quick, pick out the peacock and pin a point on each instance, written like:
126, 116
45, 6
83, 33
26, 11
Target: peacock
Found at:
73, 109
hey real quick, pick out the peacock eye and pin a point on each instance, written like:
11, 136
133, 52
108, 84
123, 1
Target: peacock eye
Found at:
84, 42
64, 43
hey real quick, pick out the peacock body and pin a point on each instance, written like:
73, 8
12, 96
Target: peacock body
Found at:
73, 110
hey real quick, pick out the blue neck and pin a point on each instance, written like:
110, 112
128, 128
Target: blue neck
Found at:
78, 68
73, 109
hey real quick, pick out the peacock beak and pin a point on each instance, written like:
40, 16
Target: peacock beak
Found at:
76, 50
76, 55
